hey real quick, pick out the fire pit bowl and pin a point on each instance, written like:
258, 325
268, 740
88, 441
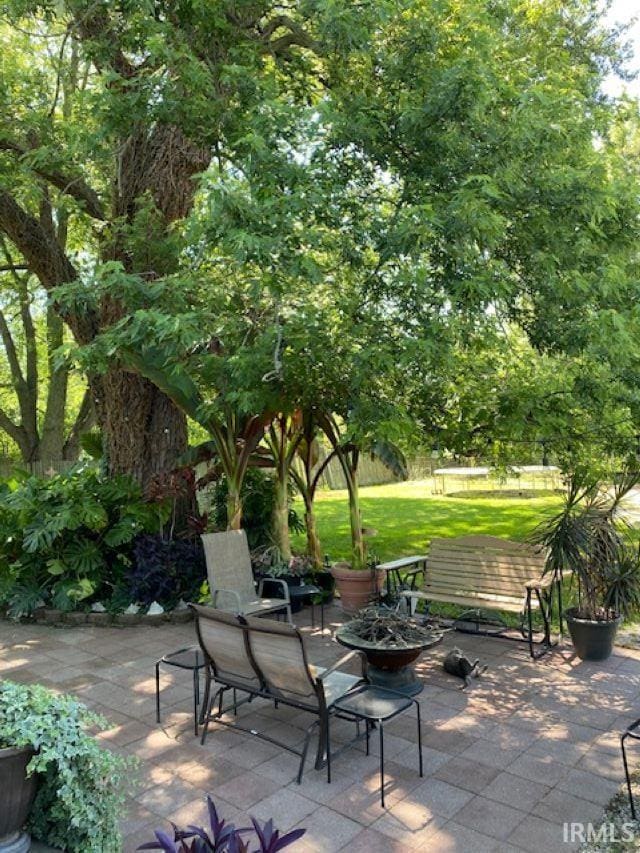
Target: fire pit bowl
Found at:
390, 657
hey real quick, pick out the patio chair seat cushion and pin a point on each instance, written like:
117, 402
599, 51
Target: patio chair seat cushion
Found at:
262, 605
337, 684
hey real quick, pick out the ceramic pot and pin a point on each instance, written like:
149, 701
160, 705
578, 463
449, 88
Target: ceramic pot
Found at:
592, 639
357, 587
17, 792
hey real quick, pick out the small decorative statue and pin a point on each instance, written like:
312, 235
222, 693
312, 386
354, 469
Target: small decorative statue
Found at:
458, 664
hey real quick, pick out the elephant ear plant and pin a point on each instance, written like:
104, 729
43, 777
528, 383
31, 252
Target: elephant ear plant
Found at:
82, 787
590, 541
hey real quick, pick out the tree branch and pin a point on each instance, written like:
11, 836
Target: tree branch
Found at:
296, 35
13, 430
44, 257
74, 186
12, 353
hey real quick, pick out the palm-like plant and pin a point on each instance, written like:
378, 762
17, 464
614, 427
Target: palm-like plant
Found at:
589, 539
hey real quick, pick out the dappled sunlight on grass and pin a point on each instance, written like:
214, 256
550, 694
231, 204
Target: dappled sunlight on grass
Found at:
406, 516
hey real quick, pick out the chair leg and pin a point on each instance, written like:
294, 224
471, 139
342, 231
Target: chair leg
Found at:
196, 698
157, 691
381, 762
305, 749
207, 718
207, 692
289, 615
530, 623
367, 732
627, 776
419, 738
328, 748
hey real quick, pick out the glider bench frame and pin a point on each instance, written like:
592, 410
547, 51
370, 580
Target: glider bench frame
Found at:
488, 573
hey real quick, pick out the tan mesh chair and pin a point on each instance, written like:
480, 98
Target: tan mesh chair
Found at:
231, 578
226, 654
236, 648
279, 654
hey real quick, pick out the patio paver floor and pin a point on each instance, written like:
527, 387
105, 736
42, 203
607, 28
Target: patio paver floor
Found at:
529, 747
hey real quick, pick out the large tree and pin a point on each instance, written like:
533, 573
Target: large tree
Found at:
113, 109
378, 178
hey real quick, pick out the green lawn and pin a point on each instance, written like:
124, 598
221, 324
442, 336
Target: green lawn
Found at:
407, 515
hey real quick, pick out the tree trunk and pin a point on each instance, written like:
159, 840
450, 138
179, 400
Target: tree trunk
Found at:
144, 433
53, 427
355, 520
234, 508
280, 524
314, 550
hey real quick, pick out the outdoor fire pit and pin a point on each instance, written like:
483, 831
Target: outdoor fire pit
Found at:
392, 643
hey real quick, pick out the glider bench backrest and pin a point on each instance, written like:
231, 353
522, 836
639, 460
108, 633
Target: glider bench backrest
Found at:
484, 572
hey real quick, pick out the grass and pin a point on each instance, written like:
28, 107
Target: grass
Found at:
407, 515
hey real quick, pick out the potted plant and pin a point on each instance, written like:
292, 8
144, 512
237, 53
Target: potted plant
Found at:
589, 539
358, 586
55, 780
269, 563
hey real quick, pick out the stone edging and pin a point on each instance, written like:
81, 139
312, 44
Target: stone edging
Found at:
50, 616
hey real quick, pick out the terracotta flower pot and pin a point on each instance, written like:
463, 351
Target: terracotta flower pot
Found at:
357, 587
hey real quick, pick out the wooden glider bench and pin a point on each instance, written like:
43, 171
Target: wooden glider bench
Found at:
487, 573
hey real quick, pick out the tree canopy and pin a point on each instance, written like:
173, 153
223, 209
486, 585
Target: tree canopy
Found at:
379, 210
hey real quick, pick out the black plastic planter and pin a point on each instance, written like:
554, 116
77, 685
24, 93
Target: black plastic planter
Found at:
17, 791
592, 639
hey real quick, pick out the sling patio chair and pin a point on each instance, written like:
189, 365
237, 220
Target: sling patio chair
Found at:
268, 659
231, 580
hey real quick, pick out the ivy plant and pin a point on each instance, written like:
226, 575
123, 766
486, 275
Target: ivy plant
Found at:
82, 786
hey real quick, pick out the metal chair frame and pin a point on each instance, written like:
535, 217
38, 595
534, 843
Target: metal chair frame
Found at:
266, 691
373, 720
633, 733
196, 667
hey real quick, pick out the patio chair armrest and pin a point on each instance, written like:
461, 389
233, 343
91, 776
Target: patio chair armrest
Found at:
215, 594
345, 659
283, 584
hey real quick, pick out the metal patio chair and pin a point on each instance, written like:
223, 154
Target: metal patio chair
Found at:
268, 659
231, 580
280, 655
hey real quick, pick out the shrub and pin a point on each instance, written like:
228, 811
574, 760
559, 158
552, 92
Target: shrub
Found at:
69, 539
79, 800
165, 570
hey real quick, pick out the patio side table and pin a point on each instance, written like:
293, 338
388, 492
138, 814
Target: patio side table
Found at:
374, 705
190, 658
309, 590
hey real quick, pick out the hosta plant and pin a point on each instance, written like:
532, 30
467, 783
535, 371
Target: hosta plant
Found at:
223, 837
82, 786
